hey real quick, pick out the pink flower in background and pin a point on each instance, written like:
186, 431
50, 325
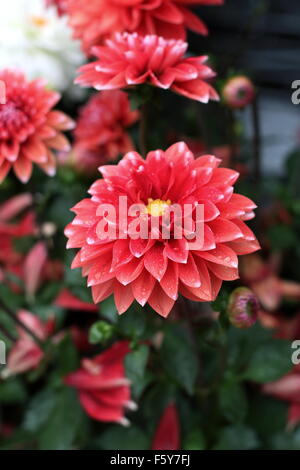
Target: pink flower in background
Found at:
29, 129
130, 59
34, 264
238, 92
167, 18
25, 354
156, 271
11, 229
167, 434
101, 132
103, 389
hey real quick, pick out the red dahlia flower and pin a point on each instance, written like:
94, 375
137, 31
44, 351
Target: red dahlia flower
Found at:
156, 270
29, 128
167, 18
101, 134
130, 59
103, 388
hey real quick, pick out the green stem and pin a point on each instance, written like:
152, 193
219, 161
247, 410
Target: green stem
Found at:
143, 130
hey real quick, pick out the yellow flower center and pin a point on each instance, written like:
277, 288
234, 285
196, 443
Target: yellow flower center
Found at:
157, 207
39, 21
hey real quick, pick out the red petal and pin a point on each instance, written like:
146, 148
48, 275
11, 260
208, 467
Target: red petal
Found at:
167, 434
160, 302
156, 262
142, 287
169, 282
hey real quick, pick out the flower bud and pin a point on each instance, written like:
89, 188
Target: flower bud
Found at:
100, 332
238, 92
243, 307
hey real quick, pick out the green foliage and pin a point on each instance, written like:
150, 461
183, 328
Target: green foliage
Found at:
179, 358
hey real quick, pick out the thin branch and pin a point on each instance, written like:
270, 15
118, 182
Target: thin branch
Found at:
7, 333
11, 314
256, 140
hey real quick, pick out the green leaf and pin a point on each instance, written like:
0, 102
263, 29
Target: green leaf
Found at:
12, 391
135, 364
62, 427
237, 438
267, 415
194, 441
282, 237
39, 410
108, 310
120, 438
67, 358
233, 402
287, 440
178, 357
269, 362
132, 324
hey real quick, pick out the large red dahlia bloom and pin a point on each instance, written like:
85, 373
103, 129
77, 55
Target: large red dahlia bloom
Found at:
155, 270
167, 18
100, 134
29, 128
130, 59
103, 389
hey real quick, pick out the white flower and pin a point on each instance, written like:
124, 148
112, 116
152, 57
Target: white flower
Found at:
34, 39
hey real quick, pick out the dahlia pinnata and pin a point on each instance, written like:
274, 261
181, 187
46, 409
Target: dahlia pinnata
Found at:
100, 134
129, 59
155, 269
167, 18
29, 129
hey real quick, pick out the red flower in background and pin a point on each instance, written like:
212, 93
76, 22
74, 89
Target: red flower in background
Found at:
10, 229
25, 354
155, 271
130, 59
167, 434
166, 18
66, 299
61, 5
101, 134
287, 388
103, 389
29, 128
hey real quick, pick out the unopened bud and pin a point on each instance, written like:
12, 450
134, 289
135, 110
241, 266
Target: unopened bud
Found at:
238, 92
243, 308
